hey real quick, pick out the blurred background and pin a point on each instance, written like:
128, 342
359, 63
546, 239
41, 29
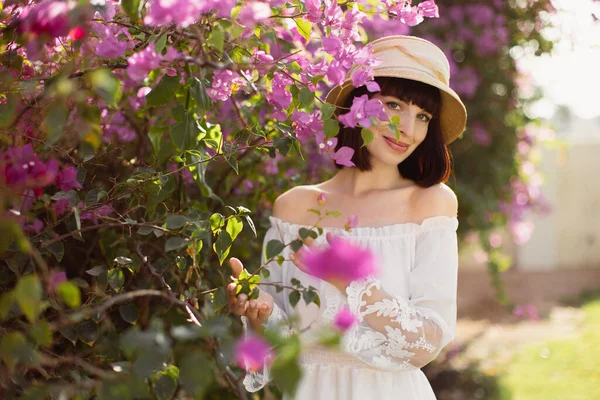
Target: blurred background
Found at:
547, 346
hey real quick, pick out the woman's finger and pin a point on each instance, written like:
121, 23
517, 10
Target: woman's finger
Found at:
264, 312
240, 307
236, 267
231, 298
252, 312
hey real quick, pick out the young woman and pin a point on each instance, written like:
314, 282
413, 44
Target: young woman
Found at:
407, 218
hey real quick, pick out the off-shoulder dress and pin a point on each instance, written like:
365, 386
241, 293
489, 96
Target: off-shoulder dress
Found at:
418, 264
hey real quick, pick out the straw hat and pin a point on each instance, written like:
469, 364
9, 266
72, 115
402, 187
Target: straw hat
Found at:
413, 58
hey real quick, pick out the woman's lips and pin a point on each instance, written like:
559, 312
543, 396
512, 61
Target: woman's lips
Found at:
399, 148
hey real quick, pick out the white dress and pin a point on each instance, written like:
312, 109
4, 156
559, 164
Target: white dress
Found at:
419, 265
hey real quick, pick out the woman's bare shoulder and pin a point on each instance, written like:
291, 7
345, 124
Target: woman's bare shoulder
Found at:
436, 200
293, 205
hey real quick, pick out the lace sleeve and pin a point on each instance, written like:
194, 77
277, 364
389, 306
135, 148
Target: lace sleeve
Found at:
399, 333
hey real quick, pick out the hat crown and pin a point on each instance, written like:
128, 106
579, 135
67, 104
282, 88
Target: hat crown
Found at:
408, 53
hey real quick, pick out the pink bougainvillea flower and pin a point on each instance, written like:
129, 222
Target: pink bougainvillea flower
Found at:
141, 63
179, 12
61, 206
36, 226
253, 13
56, 279
526, 311
49, 18
67, 179
344, 319
22, 169
361, 110
222, 84
344, 156
333, 14
321, 199
341, 261
77, 33
313, 10
409, 14
253, 352
428, 9
336, 73
351, 223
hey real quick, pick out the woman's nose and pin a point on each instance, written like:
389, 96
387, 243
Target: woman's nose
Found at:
407, 124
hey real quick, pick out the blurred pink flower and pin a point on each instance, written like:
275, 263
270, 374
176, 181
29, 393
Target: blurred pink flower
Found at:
254, 12
22, 169
321, 199
252, 353
361, 110
526, 311
67, 179
56, 279
313, 10
36, 226
351, 223
344, 319
141, 63
344, 156
49, 18
341, 261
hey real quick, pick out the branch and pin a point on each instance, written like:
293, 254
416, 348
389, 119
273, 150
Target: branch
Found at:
99, 226
46, 359
192, 312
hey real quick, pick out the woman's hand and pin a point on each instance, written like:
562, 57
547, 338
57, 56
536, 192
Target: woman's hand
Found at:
257, 310
297, 260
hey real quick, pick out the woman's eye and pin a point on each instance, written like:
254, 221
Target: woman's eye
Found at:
425, 117
394, 106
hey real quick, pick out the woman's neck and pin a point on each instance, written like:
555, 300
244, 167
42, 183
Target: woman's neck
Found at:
353, 182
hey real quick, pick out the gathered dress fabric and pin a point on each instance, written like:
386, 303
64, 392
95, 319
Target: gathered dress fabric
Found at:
416, 318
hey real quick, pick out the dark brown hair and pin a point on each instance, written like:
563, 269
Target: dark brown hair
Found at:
430, 162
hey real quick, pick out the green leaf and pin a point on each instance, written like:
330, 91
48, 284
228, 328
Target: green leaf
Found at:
219, 299
160, 43
129, 313
294, 298
251, 224
145, 230
40, 332
195, 373
70, 294
28, 294
304, 233
94, 196
70, 333
367, 136
331, 128
54, 122
334, 213
183, 133
57, 249
165, 383
222, 245
327, 111
287, 377
175, 221
87, 331
234, 227
156, 135
217, 37
164, 91
106, 85
306, 97
131, 8
296, 245
6, 302
121, 260
265, 273
14, 349
97, 270
181, 262
116, 278
283, 145
174, 243
304, 27
273, 248
216, 222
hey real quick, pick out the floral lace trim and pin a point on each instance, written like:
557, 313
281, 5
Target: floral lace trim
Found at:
256, 380
389, 350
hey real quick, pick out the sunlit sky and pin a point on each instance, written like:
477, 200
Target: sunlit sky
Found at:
571, 75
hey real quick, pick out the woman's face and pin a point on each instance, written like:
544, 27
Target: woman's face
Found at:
412, 129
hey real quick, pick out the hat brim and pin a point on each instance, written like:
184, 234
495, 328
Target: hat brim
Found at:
453, 114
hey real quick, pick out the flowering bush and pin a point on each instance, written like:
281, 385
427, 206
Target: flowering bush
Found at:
139, 137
